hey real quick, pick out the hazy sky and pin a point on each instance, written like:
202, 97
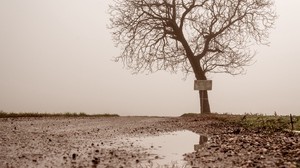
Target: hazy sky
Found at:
56, 56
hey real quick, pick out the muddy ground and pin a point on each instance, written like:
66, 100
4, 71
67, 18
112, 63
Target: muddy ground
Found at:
99, 142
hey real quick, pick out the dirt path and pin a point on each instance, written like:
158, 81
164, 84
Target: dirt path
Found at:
95, 142
67, 142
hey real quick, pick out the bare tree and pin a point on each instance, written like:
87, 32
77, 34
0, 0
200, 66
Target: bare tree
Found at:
194, 36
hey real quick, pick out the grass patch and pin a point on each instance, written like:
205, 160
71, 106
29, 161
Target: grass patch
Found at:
269, 123
253, 121
66, 114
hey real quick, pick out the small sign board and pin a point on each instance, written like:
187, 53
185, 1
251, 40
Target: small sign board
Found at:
203, 85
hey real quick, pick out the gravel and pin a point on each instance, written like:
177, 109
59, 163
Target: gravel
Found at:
101, 142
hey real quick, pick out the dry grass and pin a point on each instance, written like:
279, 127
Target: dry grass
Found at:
253, 121
66, 114
270, 123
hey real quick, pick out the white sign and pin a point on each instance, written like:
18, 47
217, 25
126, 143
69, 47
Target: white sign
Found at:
203, 85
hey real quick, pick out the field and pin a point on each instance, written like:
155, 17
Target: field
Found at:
98, 141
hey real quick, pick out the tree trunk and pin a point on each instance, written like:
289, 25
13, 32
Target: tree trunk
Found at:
198, 71
203, 95
204, 102
199, 74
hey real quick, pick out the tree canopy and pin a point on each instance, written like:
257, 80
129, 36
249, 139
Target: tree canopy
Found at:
174, 34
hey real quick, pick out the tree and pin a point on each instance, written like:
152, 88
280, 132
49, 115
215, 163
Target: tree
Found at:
194, 36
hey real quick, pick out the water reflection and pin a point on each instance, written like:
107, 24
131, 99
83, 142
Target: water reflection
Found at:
169, 148
202, 140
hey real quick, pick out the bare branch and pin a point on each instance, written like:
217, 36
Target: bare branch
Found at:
198, 36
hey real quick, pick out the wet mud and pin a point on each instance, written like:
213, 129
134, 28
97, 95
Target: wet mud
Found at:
120, 142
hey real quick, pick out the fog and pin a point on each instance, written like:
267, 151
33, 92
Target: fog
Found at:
56, 56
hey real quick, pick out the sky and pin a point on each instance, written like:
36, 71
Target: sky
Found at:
57, 56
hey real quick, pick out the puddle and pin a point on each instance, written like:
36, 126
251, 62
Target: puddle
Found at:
169, 148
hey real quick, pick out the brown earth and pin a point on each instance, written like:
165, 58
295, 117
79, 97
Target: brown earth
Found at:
95, 142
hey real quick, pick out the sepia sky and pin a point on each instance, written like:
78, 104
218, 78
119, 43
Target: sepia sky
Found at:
56, 56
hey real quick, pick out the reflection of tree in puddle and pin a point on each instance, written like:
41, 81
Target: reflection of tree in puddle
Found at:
202, 140
168, 148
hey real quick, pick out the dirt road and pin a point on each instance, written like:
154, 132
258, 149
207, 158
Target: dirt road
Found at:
71, 142
95, 142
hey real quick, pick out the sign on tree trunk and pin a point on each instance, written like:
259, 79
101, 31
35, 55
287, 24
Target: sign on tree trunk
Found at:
203, 85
